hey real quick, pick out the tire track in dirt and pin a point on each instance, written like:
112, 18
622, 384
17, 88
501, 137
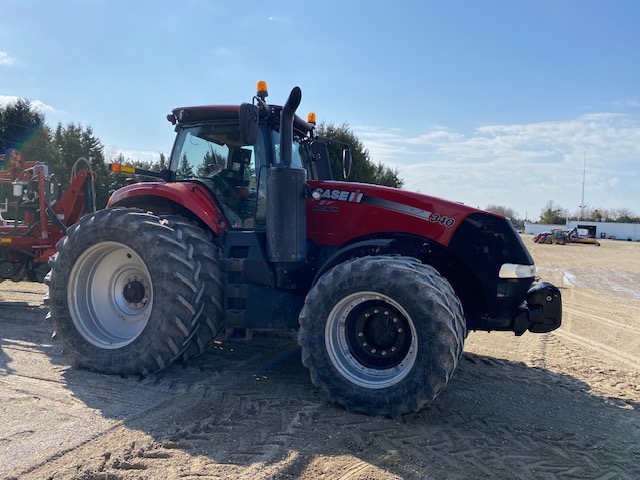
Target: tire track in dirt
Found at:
631, 360
551, 442
257, 423
530, 407
610, 323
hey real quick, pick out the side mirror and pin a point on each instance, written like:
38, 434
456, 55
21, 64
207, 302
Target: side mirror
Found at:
320, 155
346, 162
249, 123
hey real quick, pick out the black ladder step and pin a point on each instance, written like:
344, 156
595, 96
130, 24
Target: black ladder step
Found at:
236, 290
232, 264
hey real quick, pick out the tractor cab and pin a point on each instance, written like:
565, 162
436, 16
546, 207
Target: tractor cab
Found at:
230, 149
213, 152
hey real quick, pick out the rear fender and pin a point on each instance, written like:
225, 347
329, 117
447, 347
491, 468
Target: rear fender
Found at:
190, 199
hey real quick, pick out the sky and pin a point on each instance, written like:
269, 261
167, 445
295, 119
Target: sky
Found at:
492, 102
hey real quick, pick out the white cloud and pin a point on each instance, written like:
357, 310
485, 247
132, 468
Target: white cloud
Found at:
627, 103
36, 104
5, 59
43, 107
520, 166
112, 151
7, 99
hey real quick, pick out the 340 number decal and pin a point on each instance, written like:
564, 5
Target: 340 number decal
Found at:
442, 220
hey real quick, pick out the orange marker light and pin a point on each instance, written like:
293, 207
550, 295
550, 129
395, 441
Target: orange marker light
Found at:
311, 118
116, 167
262, 89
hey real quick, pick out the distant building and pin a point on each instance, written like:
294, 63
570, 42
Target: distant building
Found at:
536, 228
612, 230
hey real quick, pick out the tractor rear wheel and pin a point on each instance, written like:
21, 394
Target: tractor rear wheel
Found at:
126, 291
382, 335
207, 254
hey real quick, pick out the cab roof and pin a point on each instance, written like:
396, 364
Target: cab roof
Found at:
204, 113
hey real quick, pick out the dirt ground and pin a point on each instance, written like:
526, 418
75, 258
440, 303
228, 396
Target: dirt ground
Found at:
559, 405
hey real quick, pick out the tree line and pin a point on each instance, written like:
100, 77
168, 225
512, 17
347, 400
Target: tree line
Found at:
24, 128
555, 214
552, 214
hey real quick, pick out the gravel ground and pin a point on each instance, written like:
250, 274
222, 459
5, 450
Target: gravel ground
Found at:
559, 405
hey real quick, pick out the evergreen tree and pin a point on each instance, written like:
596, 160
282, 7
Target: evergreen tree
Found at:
363, 169
74, 141
23, 127
184, 170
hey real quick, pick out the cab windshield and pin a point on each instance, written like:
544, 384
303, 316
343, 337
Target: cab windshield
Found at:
214, 154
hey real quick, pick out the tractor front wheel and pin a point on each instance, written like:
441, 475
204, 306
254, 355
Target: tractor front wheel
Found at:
126, 291
382, 335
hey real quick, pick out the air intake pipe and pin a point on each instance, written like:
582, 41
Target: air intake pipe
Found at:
286, 209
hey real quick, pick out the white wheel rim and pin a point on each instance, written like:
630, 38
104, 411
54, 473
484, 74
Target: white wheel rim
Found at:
342, 335
110, 295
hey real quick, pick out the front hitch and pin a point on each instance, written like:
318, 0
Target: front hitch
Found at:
542, 310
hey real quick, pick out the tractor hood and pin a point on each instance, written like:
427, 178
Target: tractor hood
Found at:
341, 212
373, 208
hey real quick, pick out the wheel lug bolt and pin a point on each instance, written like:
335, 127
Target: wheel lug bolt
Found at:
395, 320
366, 315
373, 350
361, 334
376, 311
393, 349
386, 312
364, 344
384, 352
399, 330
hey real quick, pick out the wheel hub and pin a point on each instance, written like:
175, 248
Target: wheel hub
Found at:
377, 334
134, 293
371, 340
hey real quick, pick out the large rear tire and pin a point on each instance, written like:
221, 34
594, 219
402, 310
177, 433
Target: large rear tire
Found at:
207, 254
382, 335
125, 292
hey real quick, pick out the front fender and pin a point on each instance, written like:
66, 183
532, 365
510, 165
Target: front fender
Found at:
358, 249
190, 196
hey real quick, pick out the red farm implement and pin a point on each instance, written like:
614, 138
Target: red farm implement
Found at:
38, 214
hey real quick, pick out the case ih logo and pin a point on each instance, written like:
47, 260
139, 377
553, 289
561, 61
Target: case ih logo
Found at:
340, 195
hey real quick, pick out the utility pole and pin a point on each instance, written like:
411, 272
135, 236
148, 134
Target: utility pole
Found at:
584, 171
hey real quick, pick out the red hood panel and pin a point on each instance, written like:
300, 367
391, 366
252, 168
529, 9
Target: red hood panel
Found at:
348, 210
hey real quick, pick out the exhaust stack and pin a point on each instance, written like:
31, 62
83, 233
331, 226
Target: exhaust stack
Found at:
286, 208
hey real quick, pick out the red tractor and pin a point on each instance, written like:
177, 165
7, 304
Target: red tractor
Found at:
40, 214
246, 231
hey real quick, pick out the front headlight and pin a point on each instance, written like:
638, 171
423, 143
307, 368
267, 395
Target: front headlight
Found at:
513, 270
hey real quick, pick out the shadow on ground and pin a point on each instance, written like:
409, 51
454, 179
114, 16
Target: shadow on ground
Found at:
248, 403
